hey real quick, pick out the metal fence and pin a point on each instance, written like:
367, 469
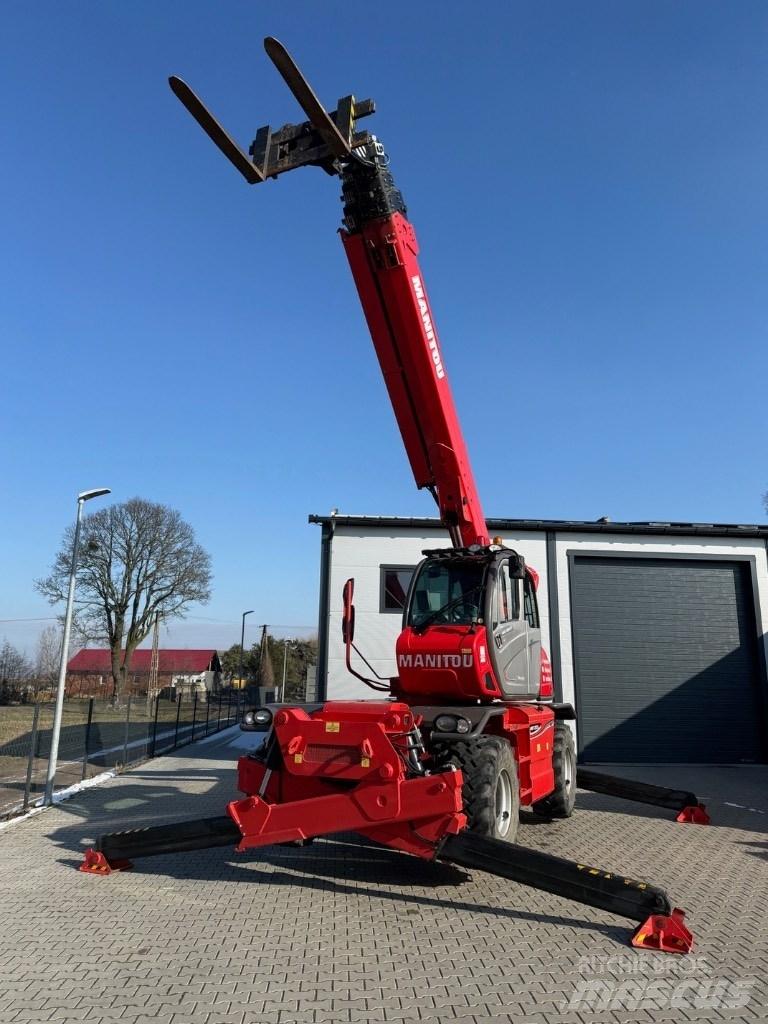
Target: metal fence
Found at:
96, 735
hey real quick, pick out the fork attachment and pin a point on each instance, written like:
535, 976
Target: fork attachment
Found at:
324, 140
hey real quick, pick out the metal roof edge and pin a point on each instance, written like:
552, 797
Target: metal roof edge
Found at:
561, 525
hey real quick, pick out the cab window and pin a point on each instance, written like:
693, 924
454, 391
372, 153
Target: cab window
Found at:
530, 606
447, 592
507, 599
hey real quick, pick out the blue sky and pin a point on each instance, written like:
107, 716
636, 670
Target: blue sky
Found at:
588, 186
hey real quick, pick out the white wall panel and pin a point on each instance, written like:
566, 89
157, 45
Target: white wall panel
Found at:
360, 552
362, 549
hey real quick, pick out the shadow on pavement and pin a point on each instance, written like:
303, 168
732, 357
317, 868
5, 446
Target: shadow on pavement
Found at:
344, 864
758, 849
349, 867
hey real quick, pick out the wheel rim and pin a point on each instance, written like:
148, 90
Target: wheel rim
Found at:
503, 804
569, 771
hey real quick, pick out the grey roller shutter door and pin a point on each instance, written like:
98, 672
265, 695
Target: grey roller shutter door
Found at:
666, 661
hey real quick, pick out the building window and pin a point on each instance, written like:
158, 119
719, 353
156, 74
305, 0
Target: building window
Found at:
395, 580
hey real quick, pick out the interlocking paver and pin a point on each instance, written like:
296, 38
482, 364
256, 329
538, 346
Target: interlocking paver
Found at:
343, 932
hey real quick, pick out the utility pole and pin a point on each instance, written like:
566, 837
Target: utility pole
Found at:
286, 643
266, 672
153, 688
242, 645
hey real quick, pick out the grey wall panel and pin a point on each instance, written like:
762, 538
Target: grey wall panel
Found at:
666, 664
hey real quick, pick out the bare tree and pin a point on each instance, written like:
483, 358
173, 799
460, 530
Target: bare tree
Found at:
15, 671
47, 658
136, 559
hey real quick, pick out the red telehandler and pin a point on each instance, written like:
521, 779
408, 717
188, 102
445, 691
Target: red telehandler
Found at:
467, 731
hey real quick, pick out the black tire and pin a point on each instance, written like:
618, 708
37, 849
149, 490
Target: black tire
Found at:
491, 789
560, 802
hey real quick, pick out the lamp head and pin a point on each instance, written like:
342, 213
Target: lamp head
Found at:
95, 493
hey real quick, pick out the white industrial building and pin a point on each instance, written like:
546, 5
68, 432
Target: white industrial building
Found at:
654, 630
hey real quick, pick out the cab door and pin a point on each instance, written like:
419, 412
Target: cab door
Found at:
531, 616
509, 641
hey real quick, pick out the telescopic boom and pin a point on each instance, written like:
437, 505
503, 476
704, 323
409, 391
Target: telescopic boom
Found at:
382, 250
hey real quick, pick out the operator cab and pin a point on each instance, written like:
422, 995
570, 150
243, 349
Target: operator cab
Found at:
471, 628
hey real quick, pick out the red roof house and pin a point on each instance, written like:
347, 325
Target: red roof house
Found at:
90, 671
182, 661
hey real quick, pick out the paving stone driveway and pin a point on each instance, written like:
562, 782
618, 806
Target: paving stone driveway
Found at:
343, 932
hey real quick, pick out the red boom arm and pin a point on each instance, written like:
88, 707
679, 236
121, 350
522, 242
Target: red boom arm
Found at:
381, 247
382, 256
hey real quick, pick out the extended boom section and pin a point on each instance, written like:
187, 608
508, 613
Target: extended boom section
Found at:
382, 250
383, 259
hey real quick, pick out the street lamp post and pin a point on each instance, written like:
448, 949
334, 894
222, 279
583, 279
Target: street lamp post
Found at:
286, 642
242, 642
51, 775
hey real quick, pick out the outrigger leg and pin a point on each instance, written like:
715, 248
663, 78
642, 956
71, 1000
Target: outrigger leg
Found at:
660, 926
116, 851
690, 810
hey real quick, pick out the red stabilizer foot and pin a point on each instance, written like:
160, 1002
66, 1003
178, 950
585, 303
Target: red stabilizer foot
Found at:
96, 863
695, 814
666, 933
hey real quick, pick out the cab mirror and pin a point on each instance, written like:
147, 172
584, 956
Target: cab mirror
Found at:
348, 612
517, 567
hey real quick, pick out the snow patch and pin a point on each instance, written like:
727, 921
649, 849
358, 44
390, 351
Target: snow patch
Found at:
60, 797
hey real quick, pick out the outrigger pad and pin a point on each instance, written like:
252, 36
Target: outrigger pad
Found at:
665, 932
694, 814
95, 863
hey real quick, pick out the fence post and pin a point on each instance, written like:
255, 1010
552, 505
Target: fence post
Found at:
194, 718
87, 738
178, 712
32, 753
38, 740
127, 724
207, 709
154, 726
218, 714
